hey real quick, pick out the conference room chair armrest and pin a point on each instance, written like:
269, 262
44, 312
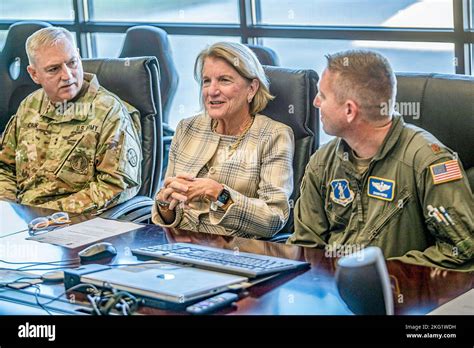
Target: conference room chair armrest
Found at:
167, 140
136, 209
167, 130
280, 237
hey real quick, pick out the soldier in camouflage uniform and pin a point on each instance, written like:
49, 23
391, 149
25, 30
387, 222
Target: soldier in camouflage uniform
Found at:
381, 182
72, 145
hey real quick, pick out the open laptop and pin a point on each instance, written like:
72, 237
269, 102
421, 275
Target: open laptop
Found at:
162, 285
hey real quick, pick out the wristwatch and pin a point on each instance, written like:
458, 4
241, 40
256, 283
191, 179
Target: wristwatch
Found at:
221, 201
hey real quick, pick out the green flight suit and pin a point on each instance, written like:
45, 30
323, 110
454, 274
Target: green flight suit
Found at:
78, 156
399, 223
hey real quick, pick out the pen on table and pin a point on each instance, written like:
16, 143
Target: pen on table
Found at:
445, 213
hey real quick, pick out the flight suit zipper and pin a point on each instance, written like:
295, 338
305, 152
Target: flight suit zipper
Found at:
397, 209
360, 210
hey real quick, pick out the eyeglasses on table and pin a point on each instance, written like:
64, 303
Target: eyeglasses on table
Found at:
46, 223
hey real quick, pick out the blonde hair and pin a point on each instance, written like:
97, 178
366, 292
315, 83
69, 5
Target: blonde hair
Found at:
366, 77
244, 61
48, 37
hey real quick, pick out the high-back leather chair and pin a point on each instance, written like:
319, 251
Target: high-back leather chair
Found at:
145, 40
135, 81
265, 55
294, 92
15, 82
446, 110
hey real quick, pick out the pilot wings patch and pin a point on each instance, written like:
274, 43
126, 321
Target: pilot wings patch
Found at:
381, 188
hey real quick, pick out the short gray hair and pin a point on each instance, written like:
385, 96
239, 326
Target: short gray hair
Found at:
245, 62
365, 76
46, 37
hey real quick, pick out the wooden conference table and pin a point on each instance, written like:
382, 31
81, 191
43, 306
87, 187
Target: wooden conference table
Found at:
417, 289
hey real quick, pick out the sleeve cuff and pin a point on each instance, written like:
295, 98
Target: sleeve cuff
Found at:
158, 220
216, 217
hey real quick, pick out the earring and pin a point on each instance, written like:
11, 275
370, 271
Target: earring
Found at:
249, 99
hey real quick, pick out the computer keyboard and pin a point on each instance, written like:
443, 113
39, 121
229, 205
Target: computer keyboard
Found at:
228, 261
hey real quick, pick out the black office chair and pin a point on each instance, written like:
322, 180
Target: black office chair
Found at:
294, 92
15, 82
265, 55
135, 80
145, 40
446, 110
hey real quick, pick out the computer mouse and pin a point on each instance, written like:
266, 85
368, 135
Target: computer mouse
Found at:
97, 251
53, 276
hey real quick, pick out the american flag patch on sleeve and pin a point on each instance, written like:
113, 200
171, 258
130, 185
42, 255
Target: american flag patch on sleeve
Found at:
446, 171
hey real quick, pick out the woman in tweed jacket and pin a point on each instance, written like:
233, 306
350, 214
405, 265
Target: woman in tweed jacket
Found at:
230, 168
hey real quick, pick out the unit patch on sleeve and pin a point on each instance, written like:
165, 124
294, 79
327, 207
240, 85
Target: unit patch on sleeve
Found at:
341, 192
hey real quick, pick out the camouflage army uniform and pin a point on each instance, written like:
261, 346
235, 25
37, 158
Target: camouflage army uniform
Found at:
399, 222
77, 157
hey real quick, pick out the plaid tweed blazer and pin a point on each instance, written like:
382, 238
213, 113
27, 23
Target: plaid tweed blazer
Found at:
258, 175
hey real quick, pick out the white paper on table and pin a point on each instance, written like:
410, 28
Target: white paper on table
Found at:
461, 305
86, 232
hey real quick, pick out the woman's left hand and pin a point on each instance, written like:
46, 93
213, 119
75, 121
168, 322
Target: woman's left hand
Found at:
200, 188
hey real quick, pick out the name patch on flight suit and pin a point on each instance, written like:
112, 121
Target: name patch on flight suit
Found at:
381, 188
341, 192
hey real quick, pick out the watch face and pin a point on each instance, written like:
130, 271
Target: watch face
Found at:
224, 196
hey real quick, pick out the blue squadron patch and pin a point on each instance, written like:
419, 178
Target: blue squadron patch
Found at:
341, 192
381, 188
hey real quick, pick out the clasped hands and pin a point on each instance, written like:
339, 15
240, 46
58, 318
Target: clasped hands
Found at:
185, 188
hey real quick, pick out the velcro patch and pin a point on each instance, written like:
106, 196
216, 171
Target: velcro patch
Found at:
381, 188
446, 171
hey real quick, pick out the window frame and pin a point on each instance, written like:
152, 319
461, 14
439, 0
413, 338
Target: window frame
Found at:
462, 36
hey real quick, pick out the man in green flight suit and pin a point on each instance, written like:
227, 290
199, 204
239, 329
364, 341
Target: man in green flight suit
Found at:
72, 145
381, 182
